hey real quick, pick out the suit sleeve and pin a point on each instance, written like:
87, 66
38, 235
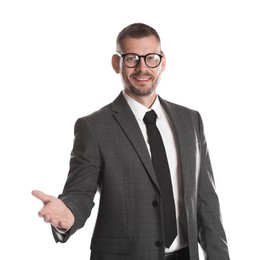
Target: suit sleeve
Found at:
82, 180
211, 233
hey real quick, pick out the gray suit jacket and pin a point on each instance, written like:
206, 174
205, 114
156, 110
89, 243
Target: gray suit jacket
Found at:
110, 154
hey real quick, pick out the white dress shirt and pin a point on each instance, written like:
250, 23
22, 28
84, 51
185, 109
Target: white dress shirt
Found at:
165, 127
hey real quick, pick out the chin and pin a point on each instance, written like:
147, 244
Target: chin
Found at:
142, 91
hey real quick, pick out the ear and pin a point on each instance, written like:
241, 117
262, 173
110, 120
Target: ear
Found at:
163, 61
116, 63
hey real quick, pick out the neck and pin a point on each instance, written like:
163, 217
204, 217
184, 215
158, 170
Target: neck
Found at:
147, 101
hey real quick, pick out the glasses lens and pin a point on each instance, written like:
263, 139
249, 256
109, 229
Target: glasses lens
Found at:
131, 60
152, 60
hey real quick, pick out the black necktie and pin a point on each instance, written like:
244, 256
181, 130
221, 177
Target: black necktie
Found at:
162, 171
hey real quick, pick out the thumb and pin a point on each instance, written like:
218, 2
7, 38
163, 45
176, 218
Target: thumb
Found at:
41, 196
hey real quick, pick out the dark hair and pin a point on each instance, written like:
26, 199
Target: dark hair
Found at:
136, 30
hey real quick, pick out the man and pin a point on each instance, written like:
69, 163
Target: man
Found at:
114, 153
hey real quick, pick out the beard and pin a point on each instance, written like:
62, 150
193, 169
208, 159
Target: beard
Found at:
140, 89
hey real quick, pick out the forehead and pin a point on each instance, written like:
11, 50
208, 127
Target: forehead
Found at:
140, 45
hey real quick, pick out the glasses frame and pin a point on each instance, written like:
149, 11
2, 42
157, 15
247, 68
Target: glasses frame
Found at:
140, 56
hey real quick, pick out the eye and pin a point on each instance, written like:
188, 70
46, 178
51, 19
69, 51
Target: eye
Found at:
131, 58
152, 57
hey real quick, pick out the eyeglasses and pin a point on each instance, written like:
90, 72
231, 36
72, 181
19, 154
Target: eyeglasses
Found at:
132, 60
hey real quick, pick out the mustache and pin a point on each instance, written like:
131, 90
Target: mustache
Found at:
141, 74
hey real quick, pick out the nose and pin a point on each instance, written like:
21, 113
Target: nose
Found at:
142, 64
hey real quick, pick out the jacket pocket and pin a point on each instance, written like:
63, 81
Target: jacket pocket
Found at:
119, 245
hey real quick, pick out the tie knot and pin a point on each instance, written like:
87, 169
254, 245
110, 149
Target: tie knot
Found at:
150, 117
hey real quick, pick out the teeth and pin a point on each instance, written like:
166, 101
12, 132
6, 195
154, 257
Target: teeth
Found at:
142, 78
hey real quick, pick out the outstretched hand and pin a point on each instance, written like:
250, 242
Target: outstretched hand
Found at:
54, 211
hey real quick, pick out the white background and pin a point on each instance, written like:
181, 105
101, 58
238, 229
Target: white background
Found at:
55, 67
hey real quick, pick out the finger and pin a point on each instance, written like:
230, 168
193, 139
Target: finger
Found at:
45, 215
41, 213
47, 220
41, 196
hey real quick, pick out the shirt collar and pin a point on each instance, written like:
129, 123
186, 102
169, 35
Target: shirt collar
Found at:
140, 110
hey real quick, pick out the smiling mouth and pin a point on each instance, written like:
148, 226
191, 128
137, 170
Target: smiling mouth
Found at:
142, 78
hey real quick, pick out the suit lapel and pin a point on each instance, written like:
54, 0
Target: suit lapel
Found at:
184, 137
129, 125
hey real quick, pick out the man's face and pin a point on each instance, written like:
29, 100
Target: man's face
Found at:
140, 80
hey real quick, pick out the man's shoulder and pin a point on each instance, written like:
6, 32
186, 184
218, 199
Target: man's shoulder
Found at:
117, 105
178, 107
98, 114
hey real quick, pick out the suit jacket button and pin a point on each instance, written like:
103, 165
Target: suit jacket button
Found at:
155, 203
158, 243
